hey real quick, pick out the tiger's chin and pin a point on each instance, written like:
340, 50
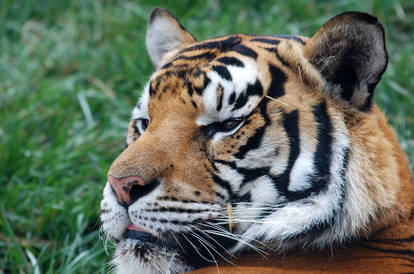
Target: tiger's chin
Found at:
138, 256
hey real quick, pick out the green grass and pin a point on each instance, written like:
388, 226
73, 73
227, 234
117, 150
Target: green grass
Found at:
70, 73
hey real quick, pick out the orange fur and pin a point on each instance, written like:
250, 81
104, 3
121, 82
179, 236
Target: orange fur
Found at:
174, 149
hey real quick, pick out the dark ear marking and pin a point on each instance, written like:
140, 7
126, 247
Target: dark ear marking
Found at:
350, 53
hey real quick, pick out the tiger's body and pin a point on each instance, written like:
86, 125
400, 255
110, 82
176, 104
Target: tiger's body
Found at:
283, 129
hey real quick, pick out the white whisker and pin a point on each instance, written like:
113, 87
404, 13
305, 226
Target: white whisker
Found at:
196, 249
201, 240
217, 230
178, 242
206, 234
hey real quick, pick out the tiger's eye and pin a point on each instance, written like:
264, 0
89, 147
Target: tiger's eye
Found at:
145, 123
231, 124
225, 126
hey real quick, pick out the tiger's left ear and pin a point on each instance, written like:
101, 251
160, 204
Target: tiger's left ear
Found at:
164, 34
349, 51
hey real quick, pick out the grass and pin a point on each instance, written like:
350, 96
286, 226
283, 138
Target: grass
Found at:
70, 73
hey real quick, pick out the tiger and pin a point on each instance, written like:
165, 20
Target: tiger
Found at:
261, 154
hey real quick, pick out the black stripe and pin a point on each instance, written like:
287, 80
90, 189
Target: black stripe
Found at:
230, 61
407, 252
246, 198
224, 184
290, 37
221, 196
323, 153
281, 59
223, 72
291, 126
255, 89
322, 175
314, 230
249, 174
182, 74
266, 40
245, 51
232, 98
206, 81
222, 45
254, 141
321, 226
219, 97
206, 55
176, 209
189, 86
151, 90
322, 159
278, 80
272, 50
241, 101
343, 184
393, 241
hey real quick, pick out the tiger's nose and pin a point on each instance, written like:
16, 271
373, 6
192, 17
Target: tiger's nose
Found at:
123, 187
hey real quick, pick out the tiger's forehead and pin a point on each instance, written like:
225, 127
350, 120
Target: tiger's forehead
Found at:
219, 78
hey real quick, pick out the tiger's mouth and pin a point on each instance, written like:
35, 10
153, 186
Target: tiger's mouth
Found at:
146, 241
192, 249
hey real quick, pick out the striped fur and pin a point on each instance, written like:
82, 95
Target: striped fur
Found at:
284, 129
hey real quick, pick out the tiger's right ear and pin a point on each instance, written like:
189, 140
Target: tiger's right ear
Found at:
349, 51
165, 34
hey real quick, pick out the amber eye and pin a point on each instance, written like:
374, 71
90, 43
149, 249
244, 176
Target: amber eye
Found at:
231, 124
225, 127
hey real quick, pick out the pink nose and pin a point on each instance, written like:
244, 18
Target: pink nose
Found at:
123, 186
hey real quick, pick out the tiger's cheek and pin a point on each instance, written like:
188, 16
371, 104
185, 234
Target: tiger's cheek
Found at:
184, 185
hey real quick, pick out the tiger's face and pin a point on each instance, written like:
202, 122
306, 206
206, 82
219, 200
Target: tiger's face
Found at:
243, 143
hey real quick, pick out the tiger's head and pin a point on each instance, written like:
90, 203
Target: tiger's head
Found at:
249, 143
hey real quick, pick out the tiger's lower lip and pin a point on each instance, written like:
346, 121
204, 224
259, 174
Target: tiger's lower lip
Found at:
138, 235
147, 240
134, 227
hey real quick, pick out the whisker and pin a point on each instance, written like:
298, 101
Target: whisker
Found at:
258, 250
201, 240
224, 221
206, 234
276, 100
224, 233
196, 249
178, 242
214, 226
242, 236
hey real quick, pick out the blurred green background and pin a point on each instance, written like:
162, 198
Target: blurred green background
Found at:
70, 73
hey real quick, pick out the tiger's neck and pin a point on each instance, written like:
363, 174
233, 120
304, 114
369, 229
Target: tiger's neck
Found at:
401, 219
